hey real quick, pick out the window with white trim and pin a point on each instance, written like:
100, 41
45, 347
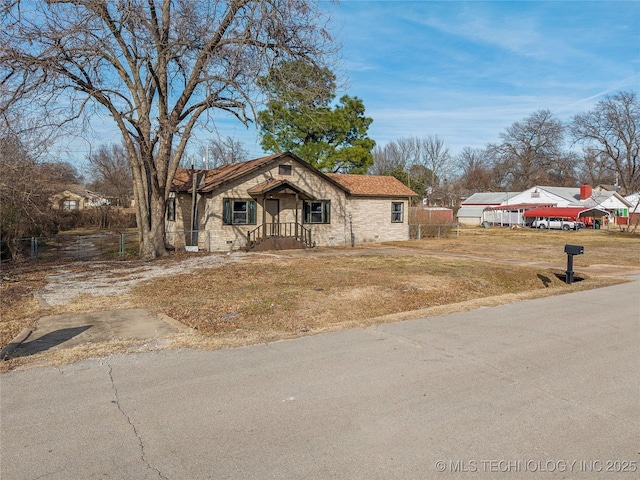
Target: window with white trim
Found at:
396, 212
70, 205
239, 212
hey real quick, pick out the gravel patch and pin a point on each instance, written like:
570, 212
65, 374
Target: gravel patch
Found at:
101, 279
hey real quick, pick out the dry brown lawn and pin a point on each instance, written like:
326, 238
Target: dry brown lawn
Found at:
292, 293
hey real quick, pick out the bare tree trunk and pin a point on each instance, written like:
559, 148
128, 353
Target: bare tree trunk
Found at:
156, 67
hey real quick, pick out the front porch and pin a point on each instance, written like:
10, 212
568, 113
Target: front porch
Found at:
281, 228
279, 236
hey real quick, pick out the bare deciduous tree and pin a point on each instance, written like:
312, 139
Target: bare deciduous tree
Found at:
420, 163
155, 67
401, 159
530, 150
223, 151
398, 155
476, 172
111, 173
593, 168
386, 159
26, 185
612, 132
434, 155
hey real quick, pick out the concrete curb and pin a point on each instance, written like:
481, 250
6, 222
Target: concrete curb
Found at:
15, 343
175, 323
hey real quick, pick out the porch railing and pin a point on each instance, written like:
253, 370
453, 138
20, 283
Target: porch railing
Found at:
287, 229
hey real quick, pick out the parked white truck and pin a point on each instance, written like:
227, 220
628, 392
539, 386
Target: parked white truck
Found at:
557, 224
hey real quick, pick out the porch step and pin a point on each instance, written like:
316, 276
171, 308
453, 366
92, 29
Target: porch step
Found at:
277, 243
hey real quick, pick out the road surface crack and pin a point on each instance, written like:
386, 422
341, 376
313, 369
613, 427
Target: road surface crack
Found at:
133, 427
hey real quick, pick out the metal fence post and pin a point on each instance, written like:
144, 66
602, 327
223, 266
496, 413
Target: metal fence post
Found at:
34, 248
121, 252
419, 231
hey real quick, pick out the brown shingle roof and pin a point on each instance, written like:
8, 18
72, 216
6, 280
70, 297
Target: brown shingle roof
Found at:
217, 176
372, 185
367, 185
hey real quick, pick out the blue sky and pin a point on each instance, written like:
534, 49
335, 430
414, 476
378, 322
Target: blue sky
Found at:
467, 70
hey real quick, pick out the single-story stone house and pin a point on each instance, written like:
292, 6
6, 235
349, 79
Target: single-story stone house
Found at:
76, 197
280, 201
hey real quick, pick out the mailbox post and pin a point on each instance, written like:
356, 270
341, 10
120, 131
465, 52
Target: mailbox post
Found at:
571, 250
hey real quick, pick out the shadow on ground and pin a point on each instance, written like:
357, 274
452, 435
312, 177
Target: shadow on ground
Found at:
55, 332
48, 340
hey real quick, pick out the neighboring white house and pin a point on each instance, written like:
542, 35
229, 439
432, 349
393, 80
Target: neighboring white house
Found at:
634, 211
472, 210
511, 211
543, 195
634, 201
618, 207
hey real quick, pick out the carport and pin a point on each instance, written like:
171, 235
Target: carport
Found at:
510, 214
567, 213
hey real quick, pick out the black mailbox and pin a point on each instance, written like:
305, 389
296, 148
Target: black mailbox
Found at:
574, 249
571, 250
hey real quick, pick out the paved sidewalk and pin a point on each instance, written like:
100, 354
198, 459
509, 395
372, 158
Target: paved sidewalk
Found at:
545, 388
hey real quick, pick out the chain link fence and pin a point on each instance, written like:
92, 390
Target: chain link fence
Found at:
113, 246
431, 230
78, 247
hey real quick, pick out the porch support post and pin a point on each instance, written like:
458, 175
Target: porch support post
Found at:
264, 215
296, 214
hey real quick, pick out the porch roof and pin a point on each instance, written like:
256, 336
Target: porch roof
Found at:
278, 186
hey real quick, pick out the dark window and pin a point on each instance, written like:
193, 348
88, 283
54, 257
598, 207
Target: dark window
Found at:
317, 212
171, 209
284, 169
239, 212
396, 212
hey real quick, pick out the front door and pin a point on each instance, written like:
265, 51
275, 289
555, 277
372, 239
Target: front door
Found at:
272, 209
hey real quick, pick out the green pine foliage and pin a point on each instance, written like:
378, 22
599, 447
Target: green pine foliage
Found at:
300, 119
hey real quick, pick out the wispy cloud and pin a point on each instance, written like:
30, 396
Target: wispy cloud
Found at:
467, 70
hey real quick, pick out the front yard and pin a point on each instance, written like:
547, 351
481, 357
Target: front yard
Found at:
239, 299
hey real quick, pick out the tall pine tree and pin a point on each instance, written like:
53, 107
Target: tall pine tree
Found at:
300, 119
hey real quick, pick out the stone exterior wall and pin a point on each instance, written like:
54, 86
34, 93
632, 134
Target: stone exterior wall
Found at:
371, 219
370, 216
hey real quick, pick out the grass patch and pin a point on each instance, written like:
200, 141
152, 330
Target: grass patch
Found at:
262, 298
306, 294
601, 247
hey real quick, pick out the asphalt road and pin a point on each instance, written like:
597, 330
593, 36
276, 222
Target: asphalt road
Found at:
547, 388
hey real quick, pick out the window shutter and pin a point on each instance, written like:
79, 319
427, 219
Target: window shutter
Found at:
226, 212
305, 216
171, 209
327, 211
252, 212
